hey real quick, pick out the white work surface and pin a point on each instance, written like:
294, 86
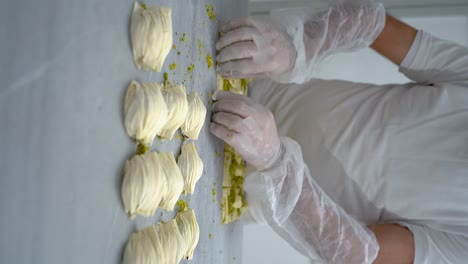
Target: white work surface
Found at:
64, 69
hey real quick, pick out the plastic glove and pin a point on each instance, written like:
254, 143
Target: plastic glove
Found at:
251, 47
247, 126
293, 204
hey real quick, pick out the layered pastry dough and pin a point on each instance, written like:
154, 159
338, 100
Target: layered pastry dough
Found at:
176, 101
190, 231
195, 116
172, 243
151, 34
174, 181
142, 187
150, 181
190, 165
145, 111
141, 248
164, 243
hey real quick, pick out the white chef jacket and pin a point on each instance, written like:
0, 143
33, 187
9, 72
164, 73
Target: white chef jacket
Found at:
395, 153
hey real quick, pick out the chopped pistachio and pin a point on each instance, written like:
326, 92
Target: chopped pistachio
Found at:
141, 149
233, 203
166, 77
200, 48
182, 205
210, 12
190, 67
209, 61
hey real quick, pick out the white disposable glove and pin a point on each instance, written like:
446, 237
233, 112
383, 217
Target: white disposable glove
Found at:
290, 45
287, 198
247, 126
252, 48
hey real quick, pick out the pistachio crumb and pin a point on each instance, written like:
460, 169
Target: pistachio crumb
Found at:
190, 67
210, 12
200, 48
209, 61
166, 77
182, 205
142, 149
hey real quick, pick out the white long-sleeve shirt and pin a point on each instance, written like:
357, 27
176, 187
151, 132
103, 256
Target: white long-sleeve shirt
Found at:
390, 153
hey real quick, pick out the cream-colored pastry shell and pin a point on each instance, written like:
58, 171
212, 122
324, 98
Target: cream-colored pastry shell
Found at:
191, 166
151, 35
142, 187
190, 231
145, 111
195, 116
174, 181
176, 101
161, 244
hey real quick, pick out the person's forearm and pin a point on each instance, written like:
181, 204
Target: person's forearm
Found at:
330, 230
395, 40
301, 212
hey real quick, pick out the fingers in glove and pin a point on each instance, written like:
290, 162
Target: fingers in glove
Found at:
237, 23
238, 75
223, 133
234, 122
237, 35
235, 107
243, 67
225, 95
237, 51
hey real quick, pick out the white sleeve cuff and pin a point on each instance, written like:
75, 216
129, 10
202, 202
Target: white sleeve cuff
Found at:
433, 246
409, 58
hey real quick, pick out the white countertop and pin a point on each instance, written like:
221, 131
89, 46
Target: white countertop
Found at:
64, 68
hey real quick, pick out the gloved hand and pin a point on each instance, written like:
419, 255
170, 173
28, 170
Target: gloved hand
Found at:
252, 48
291, 45
248, 127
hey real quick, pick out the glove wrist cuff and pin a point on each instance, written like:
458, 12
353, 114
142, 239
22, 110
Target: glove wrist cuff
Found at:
276, 158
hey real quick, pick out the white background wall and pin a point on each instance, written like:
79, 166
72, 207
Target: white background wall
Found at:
399, 7
261, 245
